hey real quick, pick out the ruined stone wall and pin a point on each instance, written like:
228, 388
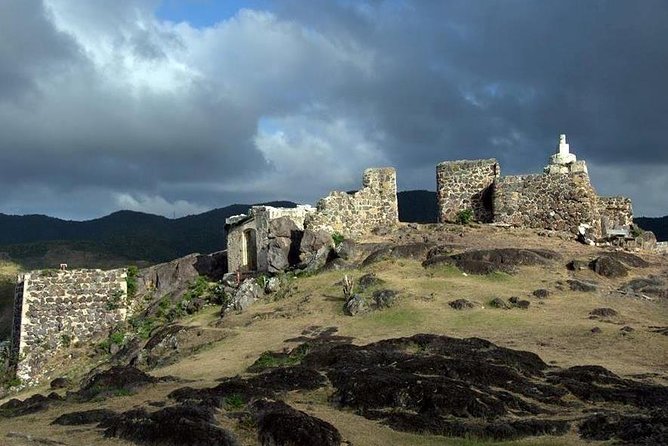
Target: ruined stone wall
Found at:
356, 214
616, 212
555, 201
57, 308
466, 184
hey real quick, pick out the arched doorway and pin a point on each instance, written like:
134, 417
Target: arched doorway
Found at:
249, 257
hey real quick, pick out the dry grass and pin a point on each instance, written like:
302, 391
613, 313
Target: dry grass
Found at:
557, 328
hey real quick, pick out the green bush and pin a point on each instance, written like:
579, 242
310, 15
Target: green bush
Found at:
464, 217
66, 340
117, 338
132, 281
337, 238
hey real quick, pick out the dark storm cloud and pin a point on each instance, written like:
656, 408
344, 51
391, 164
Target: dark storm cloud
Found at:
104, 106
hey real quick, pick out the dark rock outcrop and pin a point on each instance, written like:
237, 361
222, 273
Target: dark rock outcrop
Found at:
280, 424
609, 267
33, 404
582, 286
497, 302
603, 312
118, 380
461, 304
185, 425
541, 293
85, 417
487, 261
60, 383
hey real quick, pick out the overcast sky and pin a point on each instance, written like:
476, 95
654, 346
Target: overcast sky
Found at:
179, 106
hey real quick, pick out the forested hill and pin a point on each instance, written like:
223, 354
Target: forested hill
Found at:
124, 234
658, 225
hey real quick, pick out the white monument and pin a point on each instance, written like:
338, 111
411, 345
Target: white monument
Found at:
564, 161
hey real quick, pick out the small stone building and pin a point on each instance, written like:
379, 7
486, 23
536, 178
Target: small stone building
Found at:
248, 235
561, 198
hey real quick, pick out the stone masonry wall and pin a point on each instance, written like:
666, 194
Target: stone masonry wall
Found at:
555, 201
56, 308
616, 212
466, 184
353, 215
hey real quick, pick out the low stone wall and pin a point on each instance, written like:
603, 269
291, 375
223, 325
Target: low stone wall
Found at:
555, 201
54, 309
466, 184
616, 212
356, 214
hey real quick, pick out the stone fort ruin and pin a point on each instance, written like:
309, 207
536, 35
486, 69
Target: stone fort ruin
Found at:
560, 198
54, 309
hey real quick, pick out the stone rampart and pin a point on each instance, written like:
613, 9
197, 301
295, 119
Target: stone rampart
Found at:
466, 184
55, 309
556, 201
356, 214
616, 212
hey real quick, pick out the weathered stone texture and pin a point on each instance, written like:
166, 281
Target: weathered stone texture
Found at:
56, 308
466, 184
555, 201
616, 212
356, 214
258, 221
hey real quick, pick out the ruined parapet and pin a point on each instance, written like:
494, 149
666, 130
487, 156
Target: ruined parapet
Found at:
555, 201
356, 214
466, 184
248, 235
616, 213
54, 309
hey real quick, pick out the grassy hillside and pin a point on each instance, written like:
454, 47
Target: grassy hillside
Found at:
558, 328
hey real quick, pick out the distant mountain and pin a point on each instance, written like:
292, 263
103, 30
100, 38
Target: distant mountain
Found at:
418, 206
117, 238
658, 225
38, 241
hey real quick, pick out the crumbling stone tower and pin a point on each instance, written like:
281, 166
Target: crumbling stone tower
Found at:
466, 184
356, 214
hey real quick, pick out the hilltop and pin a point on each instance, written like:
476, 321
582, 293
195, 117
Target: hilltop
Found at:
555, 342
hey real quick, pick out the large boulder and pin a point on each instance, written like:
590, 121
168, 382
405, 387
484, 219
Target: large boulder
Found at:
249, 292
278, 254
280, 424
315, 249
355, 305
185, 425
609, 267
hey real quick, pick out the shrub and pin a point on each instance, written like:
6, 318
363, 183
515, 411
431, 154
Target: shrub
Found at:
337, 238
636, 231
464, 217
117, 338
66, 340
132, 281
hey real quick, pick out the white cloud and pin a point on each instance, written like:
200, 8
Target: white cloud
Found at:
155, 204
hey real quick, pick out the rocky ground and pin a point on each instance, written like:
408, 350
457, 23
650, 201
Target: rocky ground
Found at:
424, 335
